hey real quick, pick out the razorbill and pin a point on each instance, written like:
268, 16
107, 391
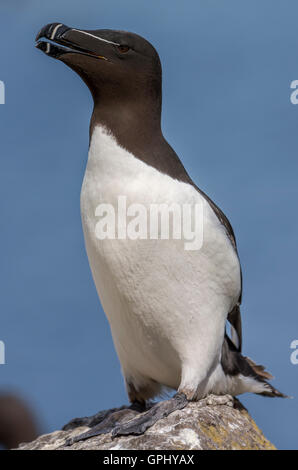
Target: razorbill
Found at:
167, 306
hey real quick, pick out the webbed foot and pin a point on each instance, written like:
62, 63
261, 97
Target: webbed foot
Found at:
126, 420
103, 422
141, 423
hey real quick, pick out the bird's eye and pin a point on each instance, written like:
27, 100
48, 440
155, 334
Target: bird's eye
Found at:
123, 49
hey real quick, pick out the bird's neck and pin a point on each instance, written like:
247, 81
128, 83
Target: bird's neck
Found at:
137, 128
133, 124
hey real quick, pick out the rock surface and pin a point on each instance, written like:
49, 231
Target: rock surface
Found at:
199, 426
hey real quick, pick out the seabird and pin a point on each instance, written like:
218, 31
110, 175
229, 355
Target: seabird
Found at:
167, 307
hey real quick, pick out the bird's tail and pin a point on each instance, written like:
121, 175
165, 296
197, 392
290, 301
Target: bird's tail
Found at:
261, 375
245, 370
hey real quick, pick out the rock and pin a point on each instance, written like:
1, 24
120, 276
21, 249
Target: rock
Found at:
202, 425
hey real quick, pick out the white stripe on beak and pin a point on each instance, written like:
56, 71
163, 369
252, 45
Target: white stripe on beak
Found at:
96, 37
52, 37
55, 30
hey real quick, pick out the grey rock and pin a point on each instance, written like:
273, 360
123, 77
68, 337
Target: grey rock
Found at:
203, 425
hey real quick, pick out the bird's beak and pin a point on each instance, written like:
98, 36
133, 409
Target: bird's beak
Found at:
56, 40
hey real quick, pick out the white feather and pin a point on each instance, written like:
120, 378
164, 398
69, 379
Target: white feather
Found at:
167, 307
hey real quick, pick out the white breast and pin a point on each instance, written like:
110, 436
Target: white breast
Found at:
167, 307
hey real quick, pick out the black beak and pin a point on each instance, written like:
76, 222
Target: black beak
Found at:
51, 32
56, 40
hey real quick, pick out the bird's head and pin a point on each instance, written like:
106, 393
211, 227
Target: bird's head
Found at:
114, 64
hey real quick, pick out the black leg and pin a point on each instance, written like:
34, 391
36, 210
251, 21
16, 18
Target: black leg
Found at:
91, 420
141, 423
104, 421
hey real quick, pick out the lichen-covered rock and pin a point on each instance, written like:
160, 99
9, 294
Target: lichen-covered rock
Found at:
199, 426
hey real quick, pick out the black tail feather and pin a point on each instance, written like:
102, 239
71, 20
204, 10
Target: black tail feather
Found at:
233, 364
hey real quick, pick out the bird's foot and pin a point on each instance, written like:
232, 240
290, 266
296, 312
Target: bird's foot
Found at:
91, 421
102, 422
126, 421
141, 423
214, 400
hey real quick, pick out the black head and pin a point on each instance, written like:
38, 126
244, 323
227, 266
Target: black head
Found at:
123, 73
114, 64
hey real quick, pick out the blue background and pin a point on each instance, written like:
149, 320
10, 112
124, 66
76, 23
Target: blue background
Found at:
227, 69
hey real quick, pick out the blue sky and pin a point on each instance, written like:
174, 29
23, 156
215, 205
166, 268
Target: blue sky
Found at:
227, 69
